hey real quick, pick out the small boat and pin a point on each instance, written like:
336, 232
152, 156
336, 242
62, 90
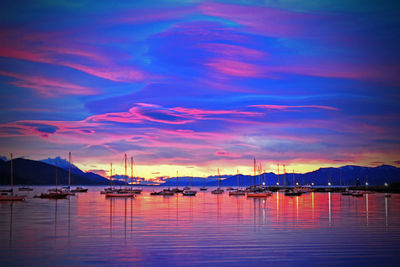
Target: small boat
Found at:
155, 193
347, 193
189, 193
230, 188
69, 193
388, 195
67, 189
217, 191
186, 188
24, 188
167, 192
237, 193
108, 190
203, 188
120, 195
259, 194
357, 194
79, 190
54, 195
177, 190
11, 197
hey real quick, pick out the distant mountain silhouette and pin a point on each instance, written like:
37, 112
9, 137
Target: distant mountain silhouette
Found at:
31, 172
346, 175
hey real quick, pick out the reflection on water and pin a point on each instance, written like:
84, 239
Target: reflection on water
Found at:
208, 229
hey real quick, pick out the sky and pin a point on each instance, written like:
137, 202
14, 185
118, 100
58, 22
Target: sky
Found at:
192, 86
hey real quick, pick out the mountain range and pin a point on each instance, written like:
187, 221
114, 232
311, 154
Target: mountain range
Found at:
31, 172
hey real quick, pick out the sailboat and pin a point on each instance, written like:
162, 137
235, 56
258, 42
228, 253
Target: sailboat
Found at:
204, 188
25, 188
190, 192
294, 191
218, 191
11, 197
177, 190
111, 188
56, 193
122, 193
259, 191
238, 191
68, 188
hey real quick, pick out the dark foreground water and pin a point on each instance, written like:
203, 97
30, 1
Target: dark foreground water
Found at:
88, 229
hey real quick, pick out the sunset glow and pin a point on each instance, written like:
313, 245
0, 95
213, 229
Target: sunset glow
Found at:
192, 86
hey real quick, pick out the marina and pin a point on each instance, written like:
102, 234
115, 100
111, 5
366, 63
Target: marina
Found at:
206, 229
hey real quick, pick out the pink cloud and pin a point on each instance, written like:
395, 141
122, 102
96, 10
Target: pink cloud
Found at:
49, 87
111, 72
142, 112
285, 107
226, 154
97, 63
237, 68
328, 69
201, 113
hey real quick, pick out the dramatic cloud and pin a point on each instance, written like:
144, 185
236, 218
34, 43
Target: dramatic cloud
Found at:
203, 85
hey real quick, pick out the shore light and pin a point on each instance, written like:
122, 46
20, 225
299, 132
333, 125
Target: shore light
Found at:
277, 184
329, 184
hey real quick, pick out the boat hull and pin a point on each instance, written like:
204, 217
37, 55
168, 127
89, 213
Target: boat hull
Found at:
54, 195
189, 193
237, 193
120, 195
259, 194
12, 198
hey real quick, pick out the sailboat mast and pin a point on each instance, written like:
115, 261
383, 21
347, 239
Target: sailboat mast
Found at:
56, 176
69, 170
111, 175
12, 174
177, 184
126, 179
131, 170
254, 171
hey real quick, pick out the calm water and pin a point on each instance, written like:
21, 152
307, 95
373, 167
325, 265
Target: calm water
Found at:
313, 229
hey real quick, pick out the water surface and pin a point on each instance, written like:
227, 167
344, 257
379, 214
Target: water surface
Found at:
313, 229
